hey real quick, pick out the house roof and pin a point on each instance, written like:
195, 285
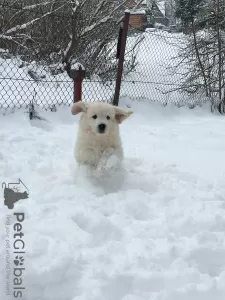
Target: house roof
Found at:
138, 12
161, 6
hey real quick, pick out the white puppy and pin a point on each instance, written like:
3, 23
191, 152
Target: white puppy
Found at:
98, 141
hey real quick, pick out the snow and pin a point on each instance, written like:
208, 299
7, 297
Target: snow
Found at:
77, 66
5, 37
91, 27
4, 50
138, 12
25, 25
68, 48
154, 232
159, 235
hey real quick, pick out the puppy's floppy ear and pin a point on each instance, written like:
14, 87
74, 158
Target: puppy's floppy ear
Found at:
122, 114
78, 107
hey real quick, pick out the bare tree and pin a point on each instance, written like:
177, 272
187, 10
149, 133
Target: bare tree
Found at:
201, 59
62, 32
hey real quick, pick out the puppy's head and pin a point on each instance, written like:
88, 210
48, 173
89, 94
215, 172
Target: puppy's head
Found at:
100, 117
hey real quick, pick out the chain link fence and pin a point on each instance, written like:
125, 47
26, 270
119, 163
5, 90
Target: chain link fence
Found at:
149, 73
158, 74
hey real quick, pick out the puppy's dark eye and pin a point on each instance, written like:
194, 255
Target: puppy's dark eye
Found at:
108, 118
94, 117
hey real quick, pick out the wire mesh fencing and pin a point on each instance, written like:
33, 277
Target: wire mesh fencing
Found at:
41, 42
151, 72
157, 73
49, 85
22, 83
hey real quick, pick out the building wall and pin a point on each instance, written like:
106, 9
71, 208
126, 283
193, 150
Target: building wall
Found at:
170, 11
137, 21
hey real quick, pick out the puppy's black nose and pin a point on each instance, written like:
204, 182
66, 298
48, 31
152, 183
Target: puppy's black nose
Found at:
101, 127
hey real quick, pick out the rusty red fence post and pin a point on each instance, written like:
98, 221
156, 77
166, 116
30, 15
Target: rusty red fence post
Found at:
78, 76
120, 54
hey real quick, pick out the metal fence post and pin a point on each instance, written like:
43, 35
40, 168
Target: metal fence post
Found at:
78, 76
120, 55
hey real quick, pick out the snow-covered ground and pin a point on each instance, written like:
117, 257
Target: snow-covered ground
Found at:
159, 236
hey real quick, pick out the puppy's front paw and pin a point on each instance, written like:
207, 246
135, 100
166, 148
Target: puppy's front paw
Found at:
98, 174
107, 166
112, 162
100, 170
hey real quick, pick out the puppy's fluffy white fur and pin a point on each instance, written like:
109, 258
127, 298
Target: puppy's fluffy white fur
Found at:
99, 149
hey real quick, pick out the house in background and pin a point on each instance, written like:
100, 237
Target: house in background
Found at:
158, 11
138, 17
150, 13
170, 12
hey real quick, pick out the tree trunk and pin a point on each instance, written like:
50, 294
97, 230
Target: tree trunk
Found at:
199, 58
219, 49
